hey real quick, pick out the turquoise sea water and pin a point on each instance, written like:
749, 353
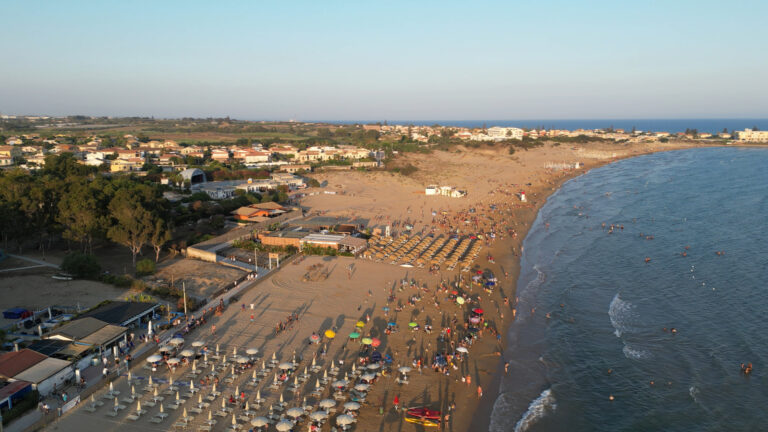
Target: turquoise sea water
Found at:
609, 308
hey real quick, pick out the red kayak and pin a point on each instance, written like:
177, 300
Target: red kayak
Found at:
424, 413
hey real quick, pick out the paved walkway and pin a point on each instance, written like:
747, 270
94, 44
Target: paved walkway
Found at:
33, 260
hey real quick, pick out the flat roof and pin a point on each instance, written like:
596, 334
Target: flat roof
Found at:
289, 234
120, 312
79, 328
48, 347
321, 221
10, 388
15, 362
43, 370
104, 335
330, 238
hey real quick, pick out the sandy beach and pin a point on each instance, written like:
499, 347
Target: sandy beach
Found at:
335, 293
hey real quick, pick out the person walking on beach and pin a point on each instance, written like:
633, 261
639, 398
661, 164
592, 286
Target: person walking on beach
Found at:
479, 392
396, 403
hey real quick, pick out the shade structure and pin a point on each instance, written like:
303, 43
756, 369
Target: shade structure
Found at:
340, 383
374, 366
314, 338
294, 412
344, 420
173, 360
352, 406
412, 324
354, 335
460, 300
198, 344
165, 349
285, 365
327, 403
368, 376
259, 421
154, 358
366, 341
252, 351
176, 341
284, 425
359, 324
404, 369
362, 387
462, 349
330, 334
241, 359
375, 342
187, 353
318, 415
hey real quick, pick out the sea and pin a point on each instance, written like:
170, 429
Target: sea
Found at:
605, 341
711, 125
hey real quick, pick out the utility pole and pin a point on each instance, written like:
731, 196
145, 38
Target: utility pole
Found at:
184, 287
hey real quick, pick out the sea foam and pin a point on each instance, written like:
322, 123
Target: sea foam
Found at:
620, 313
537, 410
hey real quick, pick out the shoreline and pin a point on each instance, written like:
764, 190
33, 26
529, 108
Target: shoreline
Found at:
482, 412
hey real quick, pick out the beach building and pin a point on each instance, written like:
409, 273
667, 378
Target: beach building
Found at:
123, 313
335, 224
750, 135
332, 241
12, 391
91, 332
433, 190
258, 212
40, 372
283, 238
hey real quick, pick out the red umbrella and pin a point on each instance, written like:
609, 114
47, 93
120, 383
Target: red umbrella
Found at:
477, 311
454, 292
375, 342
480, 272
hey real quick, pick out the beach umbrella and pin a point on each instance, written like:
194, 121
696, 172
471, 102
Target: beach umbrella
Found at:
234, 420
150, 381
366, 341
161, 408
185, 413
210, 415
192, 385
237, 390
359, 324
281, 399
173, 360
317, 384
164, 349
325, 374
284, 426
258, 397
130, 377
354, 335
285, 366
462, 349
314, 338
200, 398
385, 308
149, 328
352, 406
177, 397
274, 357
354, 367
176, 341
318, 415
263, 365
330, 334
247, 408
474, 320
460, 300
478, 311
327, 403
412, 324
259, 422
368, 376
344, 420
294, 412
339, 383
154, 393
111, 387
138, 406
224, 358
223, 403
313, 362
154, 358
198, 344
374, 366
187, 353
242, 359
253, 375
234, 351
404, 369
375, 342
392, 324
133, 391
217, 349
252, 351
362, 387
333, 364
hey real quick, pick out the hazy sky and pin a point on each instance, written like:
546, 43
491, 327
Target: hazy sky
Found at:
361, 60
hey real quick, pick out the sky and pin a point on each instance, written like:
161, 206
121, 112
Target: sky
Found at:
410, 60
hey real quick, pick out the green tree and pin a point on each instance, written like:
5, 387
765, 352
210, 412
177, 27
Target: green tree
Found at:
82, 213
145, 267
161, 234
81, 266
133, 222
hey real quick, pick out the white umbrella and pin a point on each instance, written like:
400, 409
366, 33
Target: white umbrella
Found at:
327, 403
294, 412
362, 387
462, 350
149, 328
317, 384
284, 426
344, 420
404, 369
198, 344
252, 351
164, 349
173, 360
274, 357
352, 406
368, 376
258, 397
374, 366
259, 421
313, 362
285, 366
176, 341
234, 351
339, 383
234, 420
187, 353
241, 359
154, 358
318, 415
217, 349
191, 384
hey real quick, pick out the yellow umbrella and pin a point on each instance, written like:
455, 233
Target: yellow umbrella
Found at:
330, 334
360, 324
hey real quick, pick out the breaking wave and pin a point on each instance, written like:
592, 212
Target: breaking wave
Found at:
536, 410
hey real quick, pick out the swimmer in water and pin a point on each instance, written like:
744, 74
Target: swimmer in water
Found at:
647, 259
